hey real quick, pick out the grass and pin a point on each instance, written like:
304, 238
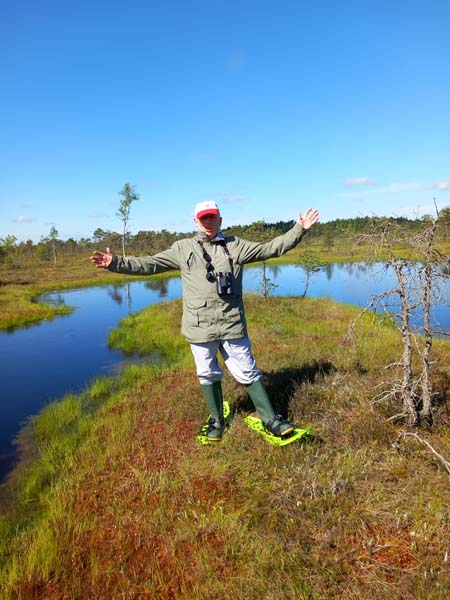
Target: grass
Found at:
119, 501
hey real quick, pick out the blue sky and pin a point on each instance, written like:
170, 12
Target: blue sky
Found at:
266, 106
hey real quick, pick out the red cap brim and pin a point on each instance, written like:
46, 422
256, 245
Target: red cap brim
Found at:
208, 211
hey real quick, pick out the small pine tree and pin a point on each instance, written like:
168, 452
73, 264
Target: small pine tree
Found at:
309, 262
128, 197
53, 238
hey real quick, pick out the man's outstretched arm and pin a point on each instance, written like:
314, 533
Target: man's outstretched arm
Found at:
248, 252
136, 265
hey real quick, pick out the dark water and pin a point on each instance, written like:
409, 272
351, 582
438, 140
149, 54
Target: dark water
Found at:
43, 362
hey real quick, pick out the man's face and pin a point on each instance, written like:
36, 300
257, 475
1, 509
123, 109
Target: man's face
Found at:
209, 224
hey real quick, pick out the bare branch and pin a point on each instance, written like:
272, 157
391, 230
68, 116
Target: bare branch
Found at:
442, 331
392, 365
397, 417
407, 434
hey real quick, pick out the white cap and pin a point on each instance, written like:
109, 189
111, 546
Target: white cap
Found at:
206, 208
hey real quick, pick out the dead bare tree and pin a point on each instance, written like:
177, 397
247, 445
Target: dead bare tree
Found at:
418, 287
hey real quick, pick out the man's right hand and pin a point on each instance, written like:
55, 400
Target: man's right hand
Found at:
102, 260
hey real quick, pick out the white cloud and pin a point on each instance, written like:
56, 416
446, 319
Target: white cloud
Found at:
439, 185
24, 219
359, 181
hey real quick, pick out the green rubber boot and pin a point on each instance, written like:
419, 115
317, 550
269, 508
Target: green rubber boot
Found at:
214, 401
274, 423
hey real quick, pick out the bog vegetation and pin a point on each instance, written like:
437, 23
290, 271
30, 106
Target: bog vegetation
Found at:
119, 501
114, 498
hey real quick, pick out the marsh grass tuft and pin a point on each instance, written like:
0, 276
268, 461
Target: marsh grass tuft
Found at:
120, 501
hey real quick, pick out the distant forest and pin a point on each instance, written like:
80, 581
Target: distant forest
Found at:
325, 235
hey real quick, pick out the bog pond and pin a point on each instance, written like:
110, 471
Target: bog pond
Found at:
43, 362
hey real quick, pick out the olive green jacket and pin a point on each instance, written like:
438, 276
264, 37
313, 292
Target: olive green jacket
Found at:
206, 315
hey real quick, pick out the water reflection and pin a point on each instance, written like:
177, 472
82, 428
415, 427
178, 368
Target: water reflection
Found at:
56, 299
158, 285
328, 270
128, 296
115, 293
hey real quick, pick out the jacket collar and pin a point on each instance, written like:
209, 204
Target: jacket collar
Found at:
202, 237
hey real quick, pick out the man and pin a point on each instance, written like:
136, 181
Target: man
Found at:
211, 268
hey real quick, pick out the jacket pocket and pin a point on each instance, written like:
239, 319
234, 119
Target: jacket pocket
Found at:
195, 313
232, 316
190, 260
